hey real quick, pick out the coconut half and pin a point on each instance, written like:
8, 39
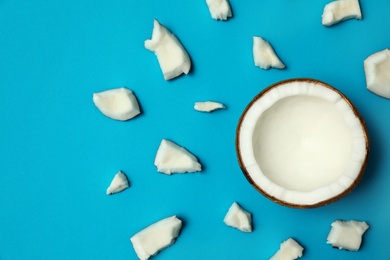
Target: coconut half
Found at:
341, 10
377, 70
302, 143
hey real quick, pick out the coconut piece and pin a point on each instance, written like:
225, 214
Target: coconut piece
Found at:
219, 9
156, 237
208, 106
341, 10
289, 250
172, 158
171, 55
347, 234
264, 55
377, 70
238, 218
118, 103
118, 183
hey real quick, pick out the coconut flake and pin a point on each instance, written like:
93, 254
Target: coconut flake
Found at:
264, 55
347, 234
171, 158
118, 103
118, 183
156, 237
171, 55
208, 106
238, 218
289, 250
341, 10
219, 9
377, 70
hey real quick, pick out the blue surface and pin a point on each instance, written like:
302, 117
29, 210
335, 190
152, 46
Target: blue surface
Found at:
59, 153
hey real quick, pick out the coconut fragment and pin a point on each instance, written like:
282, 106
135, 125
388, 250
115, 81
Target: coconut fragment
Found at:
172, 158
118, 103
377, 70
264, 55
347, 234
219, 9
118, 183
172, 56
289, 250
341, 10
156, 237
238, 218
208, 106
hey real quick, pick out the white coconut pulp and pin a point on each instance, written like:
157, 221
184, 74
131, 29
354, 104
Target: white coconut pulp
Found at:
219, 9
377, 70
347, 234
156, 237
238, 218
341, 10
171, 55
208, 106
264, 55
118, 183
289, 250
301, 143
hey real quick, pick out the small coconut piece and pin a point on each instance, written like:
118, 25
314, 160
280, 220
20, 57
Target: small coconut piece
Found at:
289, 250
264, 55
219, 9
341, 10
347, 234
172, 56
118, 103
118, 183
238, 218
377, 70
172, 158
208, 106
156, 237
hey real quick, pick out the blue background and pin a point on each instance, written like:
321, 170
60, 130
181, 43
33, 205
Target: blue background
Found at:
59, 153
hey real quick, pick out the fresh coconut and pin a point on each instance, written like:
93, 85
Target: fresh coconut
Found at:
219, 9
118, 103
302, 143
289, 250
172, 158
156, 237
377, 70
264, 55
118, 183
172, 57
238, 218
341, 10
208, 106
347, 234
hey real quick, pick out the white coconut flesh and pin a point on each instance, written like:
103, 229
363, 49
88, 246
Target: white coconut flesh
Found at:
219, 9
208, 106
301, 143
377, 70
347, 234
264, 55
289, 250
239, 218
119, 103
172, 158
172, 56
118, 183
156, 237
341, 10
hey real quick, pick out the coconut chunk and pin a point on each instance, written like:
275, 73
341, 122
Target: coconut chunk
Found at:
347, 234
208, 106
172, 158
264, 55
119, 103
341, 10
171, 55
377, 70
156, 237
289, 250
238, 218
118, 183
219, 9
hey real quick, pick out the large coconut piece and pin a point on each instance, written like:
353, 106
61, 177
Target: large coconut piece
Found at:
341, 10
377, 70
347, 234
